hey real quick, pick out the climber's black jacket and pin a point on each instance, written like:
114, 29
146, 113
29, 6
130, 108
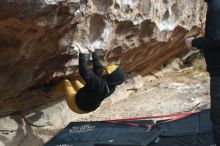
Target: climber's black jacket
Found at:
96, 88
210, 43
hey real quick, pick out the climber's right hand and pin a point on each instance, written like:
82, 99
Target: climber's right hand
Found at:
188, 42
90, 48
80, 48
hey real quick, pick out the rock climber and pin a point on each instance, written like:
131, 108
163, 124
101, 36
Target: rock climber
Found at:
210, 45
99, 83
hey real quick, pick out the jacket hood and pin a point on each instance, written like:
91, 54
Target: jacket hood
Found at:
117, 77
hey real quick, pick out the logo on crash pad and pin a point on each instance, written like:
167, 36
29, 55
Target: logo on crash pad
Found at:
82, 128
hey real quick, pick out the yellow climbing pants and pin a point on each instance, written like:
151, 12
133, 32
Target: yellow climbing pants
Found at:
69, 91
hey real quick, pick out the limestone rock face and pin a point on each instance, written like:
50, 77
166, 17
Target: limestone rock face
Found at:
36, 38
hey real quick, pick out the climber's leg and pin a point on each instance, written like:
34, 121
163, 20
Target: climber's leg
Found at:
57, 90
65, 87
78, 85
52, 86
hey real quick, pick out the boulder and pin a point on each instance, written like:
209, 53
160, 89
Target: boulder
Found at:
36, 39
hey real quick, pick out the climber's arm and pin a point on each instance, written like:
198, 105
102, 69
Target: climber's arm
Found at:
97, 65
83, 68
203, 43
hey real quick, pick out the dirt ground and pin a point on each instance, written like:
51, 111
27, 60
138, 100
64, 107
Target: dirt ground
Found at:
175, 92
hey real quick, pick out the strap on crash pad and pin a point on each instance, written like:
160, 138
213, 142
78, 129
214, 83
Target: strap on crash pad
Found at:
177, 116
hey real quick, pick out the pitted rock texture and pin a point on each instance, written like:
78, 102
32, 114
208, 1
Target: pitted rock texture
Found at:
36, 38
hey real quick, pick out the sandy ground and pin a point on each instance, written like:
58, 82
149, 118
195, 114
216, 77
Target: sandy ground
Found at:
173, 92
